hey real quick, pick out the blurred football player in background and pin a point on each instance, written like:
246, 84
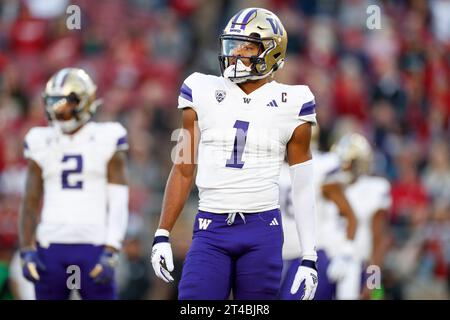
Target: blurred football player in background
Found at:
370, 197
78, 168
242, 123
329, 191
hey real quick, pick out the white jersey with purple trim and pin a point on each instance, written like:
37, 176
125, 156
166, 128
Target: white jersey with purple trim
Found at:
243, 139
367, 196
74, 172
326, 170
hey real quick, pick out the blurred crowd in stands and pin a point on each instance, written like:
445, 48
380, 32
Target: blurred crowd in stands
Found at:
392, 84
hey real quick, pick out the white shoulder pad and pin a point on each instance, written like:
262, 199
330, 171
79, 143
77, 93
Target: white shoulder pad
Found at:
36, 142
188, 91
115, 135
382, 188
385, 193
299, 107
307, 108
331, 167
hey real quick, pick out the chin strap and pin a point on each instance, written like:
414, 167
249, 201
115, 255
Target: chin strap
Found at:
239, 73
73, 124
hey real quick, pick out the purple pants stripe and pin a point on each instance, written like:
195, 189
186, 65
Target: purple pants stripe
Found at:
57, 258
242, 258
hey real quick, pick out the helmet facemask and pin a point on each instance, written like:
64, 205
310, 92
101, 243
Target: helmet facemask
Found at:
234, 50
66, 112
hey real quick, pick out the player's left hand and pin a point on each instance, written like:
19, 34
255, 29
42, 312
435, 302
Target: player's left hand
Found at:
31, 265
340, 264
162, 258
103, 272
307, 274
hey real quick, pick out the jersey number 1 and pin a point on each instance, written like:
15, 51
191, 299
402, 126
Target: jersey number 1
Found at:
239, 144
78, 168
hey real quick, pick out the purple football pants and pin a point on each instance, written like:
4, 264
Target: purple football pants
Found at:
325, 289
243, 257
60, 261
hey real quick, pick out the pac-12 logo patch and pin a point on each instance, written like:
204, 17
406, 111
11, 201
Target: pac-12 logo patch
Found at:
220, 95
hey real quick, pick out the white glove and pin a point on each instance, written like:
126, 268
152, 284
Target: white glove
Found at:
162, 260
339, 265
338, 268
307, 273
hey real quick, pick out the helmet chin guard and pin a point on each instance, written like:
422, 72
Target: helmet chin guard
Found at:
239, 73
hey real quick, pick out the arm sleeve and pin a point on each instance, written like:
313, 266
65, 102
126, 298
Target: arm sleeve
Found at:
303, 200
117, 214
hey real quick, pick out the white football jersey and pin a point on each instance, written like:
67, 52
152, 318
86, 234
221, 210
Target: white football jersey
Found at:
74, 172
367, 196
326, 170
243, 139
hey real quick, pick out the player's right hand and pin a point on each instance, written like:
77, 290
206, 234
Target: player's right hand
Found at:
162, 259
31, 265
338, 268
339, 265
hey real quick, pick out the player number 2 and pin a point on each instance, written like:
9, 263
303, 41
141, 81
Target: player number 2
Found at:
235, 161
78, 167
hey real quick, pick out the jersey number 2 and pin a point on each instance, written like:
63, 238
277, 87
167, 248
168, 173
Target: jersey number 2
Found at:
66, 173
239, 144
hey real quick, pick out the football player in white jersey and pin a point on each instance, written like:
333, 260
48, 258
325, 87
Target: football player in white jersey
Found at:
370, 199
242, 125
77, 167
329, 193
